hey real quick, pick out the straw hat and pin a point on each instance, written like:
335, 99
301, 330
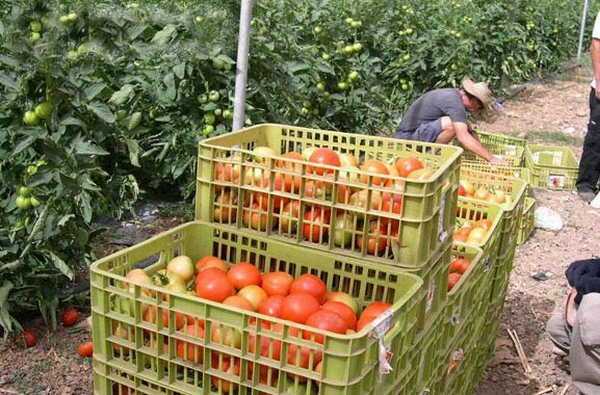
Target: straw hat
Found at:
480, 90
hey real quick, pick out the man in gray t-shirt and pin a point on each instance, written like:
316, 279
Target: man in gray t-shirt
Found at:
440, 115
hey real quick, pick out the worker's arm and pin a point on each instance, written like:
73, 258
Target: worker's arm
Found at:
471, 143
473, 133
595, 50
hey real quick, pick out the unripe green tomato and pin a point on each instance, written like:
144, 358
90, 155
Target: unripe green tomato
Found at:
31, 170
64, 19
72, 55
357, 47
218, 63
342, 86
72, 17
325, 56
209, 118
348, 49
24, 191
326, 95
227, 114
349, 20
353, 76
304, 111
43, 110
214, 96
318, 30
34, 201
208, 130
218, 112
34, 37
203, 99
404, 87
321, 87
406, 57
35, 26
356, 24
199, 19
23, 202
30, 118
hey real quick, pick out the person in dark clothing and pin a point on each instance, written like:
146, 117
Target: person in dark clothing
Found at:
589, 166
440, 115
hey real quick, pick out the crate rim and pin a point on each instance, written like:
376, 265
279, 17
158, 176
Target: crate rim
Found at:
477, 260
522, 189
456, 151
94, 268
529, 157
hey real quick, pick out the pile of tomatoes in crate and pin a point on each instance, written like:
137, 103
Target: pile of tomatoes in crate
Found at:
491, 195
473, 232
458, 267
293, 195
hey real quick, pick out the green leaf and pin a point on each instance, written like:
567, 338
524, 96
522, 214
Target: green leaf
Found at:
94, 90
102, 111
179, 70
9, 82
294, 67
85, 206
169, 81
72, 121
82, 147
162, 37
9, 61
134, 152
122, 95
135, 31
60, 264
24, 144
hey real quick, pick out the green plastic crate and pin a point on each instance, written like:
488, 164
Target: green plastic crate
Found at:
487, 343
428, 357
468, 300
127, 343
475, 210
463, 358
552, 167
501, 170
236, 188
527, 224
512, 212
502, 278
511, 149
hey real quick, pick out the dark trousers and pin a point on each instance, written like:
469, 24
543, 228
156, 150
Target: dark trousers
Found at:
589, 167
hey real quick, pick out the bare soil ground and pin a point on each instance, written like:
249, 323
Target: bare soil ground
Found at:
548, 111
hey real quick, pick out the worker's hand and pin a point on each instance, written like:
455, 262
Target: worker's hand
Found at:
498, 161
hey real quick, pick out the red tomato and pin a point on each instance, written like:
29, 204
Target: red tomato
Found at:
343, 310
210, 261
459, 266
225, 365
326, 320
453, 279
370, 313
70, 316
408, 165
316, 222
324, 156
292, 183
301, 356
298, 307
310, 284
272, 306
280, 185
255, 218
277, 283
86, 349
243, 274
376, 240
213, 284
150, 315
462, 191
29, 338
189, 351
374, 166
269, 348
239, 302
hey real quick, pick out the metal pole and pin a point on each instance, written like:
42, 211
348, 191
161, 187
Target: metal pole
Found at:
582, 31
241, 74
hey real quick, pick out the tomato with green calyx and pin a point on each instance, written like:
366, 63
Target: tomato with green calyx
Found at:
30, 118
214, 96
35, 26
43, 110
209, 118
203, 99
